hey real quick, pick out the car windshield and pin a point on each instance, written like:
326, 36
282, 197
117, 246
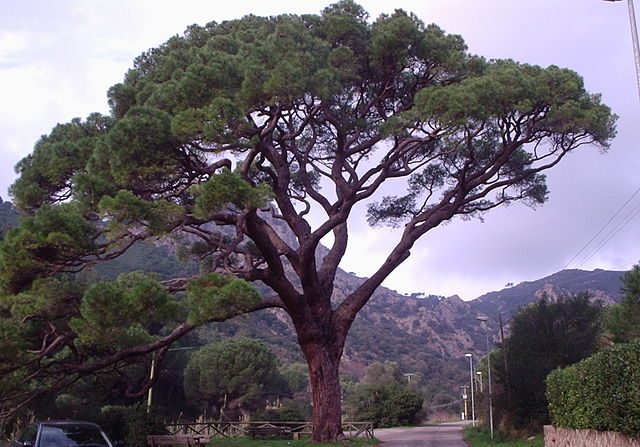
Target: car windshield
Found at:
72, 436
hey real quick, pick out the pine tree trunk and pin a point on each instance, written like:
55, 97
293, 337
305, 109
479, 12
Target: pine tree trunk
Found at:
325, 387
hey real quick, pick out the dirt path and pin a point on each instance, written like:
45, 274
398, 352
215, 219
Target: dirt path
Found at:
446, 435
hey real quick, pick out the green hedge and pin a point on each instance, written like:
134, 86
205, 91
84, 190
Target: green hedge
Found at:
599, 393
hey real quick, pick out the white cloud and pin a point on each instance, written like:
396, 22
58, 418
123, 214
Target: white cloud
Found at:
10, 45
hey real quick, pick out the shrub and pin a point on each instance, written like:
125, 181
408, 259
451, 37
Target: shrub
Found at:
130, 424
404, 407
544, 336
599, 393
291, 410
386, 405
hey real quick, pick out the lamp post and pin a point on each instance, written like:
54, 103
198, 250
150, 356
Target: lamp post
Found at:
634, 38
479, 374
152, 373
473, 403
464, 398
484, 320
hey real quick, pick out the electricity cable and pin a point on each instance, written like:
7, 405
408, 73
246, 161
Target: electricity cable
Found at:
628, 218
603, 228
449, 404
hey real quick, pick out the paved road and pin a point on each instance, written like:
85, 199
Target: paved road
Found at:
446, 435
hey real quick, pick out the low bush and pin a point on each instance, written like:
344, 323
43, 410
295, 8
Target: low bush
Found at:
291, 410
130, 424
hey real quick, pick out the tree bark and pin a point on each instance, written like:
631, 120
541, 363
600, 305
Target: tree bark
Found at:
325, 387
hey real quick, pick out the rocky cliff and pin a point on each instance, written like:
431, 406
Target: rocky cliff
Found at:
428, 335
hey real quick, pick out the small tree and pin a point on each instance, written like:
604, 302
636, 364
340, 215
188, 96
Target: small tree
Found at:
296, 376
228, 138
383, 373
384, 398
544, 336
236, 374
623, 320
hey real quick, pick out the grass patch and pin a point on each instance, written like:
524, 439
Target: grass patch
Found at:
482, 438
250, 442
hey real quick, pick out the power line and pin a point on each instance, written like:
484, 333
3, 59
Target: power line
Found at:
628, 218
608, 236
448, 404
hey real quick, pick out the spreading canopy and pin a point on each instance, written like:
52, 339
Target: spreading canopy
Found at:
229, 137
237, 373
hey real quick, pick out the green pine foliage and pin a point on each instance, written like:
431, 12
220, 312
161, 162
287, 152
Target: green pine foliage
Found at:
229, 188
220, 297
233, 374
121, 313
54, 238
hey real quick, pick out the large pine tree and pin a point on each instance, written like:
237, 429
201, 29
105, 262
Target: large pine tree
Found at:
296, 116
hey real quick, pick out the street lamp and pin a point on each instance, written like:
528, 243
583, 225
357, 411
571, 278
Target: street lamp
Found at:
152, 372
479, 374
484, 320
473, 403
634, 38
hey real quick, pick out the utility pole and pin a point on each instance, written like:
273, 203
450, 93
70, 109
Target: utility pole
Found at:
490, 394
485, 320
152, 373
464, 397
471, 385
634, 39
506, 363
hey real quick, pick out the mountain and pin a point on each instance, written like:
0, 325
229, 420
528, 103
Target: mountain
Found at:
8, 216
431, 335
602, 284
425, 334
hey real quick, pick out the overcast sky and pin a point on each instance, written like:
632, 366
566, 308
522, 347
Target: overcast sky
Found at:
59, 57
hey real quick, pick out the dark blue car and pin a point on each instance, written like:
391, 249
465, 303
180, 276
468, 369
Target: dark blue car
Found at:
63, 434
